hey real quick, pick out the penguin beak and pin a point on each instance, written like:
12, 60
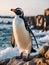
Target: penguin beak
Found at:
13, 10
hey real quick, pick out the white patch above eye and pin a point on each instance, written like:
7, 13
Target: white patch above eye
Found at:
22, 13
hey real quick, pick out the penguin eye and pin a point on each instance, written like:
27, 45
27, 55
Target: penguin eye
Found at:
18, 12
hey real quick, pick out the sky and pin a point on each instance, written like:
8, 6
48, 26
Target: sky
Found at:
30, 7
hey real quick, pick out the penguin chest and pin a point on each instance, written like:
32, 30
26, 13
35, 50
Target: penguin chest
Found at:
22, 37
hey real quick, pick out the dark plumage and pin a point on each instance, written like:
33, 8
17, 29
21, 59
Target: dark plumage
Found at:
28, 29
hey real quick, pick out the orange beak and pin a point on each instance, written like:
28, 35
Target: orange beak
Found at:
13, 10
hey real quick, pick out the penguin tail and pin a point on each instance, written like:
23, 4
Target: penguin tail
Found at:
33, 50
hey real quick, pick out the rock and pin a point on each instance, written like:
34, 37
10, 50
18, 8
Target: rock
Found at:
30, 63
12, 62
4, 62
47, 54
44, 49
47, 61
39, 59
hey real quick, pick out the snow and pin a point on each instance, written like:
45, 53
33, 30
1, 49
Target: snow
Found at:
11, 52
8, 53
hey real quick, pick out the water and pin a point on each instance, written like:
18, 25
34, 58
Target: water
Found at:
5, 39
5, 32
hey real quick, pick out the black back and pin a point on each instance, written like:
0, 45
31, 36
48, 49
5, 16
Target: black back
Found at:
25, 22
28, 29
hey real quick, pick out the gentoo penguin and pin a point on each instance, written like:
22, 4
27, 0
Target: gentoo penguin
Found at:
21, 35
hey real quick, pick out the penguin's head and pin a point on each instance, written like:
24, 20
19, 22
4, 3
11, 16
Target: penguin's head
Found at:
18, 11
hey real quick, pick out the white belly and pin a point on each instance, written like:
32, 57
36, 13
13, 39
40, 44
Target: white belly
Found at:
22, 37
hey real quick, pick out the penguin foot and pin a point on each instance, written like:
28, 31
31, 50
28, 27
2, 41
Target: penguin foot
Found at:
27, 58
19, 57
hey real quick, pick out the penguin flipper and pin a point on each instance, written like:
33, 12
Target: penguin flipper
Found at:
12, 40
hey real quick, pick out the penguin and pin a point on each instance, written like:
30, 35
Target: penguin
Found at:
21, 34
